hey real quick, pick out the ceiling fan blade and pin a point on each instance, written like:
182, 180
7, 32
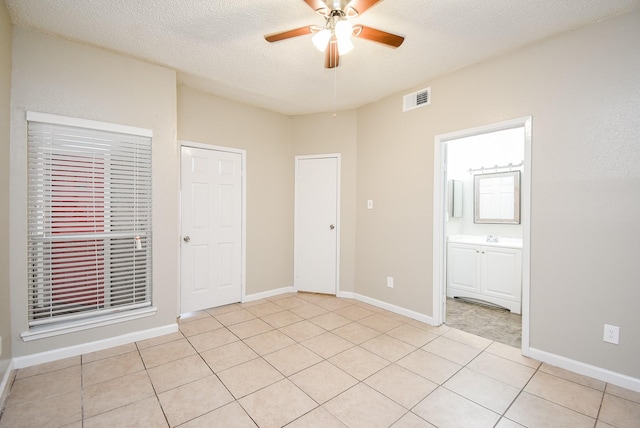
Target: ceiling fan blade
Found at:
318, 6
276, 37
332, 57
358, 7
379, 36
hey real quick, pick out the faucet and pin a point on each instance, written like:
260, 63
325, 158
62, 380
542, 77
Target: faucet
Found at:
491, 238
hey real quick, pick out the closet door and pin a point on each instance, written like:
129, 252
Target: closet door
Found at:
316, 224
211, 247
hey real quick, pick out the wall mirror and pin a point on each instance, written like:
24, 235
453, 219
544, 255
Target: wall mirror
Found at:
454, 193
497, 198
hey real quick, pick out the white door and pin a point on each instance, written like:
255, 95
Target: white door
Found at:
316, 223
211, 208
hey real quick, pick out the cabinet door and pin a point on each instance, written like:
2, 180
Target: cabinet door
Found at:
501, 273
462, 267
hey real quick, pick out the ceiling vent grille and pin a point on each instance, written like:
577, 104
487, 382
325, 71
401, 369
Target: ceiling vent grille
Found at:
417, 99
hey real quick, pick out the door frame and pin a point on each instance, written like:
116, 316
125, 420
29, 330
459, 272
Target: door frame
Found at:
243, 214
337, 156
439, 207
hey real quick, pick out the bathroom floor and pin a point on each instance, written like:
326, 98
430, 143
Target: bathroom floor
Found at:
305, 360
497, 324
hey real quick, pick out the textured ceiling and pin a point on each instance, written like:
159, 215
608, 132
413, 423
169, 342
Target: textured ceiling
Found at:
217, 45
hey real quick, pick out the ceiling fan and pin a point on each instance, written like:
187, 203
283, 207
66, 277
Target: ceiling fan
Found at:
334, 37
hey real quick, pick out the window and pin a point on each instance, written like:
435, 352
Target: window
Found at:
88, 219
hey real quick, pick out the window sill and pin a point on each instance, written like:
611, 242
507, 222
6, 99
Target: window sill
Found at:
72, 327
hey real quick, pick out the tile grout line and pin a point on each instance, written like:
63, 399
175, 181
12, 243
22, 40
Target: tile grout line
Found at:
155, 391
318, 405
235, 400
359, 381
82, 389
504, 414
538, 370
458, 371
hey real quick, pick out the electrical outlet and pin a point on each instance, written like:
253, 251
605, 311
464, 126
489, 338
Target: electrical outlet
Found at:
390, 281
369, 204
611, 334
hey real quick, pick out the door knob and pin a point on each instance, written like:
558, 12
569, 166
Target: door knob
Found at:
331, 227
186, 239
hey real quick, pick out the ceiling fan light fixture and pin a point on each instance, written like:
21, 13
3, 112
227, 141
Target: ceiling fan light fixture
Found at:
344, 29
321, 39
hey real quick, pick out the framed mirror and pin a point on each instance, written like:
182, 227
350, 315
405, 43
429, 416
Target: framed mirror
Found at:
497, 198
454, 193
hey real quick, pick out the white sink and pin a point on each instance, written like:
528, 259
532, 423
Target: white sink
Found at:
482, 240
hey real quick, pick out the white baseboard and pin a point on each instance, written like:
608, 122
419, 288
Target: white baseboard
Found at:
579, 367
269, 293
346, 294
5, 385
395, 309
599, 373
84, 348
349, 295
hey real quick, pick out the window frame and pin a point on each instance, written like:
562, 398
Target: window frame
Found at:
97, 318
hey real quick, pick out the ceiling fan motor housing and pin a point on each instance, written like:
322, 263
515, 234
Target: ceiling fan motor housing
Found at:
334, 5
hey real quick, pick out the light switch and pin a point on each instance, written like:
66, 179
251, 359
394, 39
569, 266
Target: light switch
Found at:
370, 204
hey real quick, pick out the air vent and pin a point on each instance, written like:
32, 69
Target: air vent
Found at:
417, 99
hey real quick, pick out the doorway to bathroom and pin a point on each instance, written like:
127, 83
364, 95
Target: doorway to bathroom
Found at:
481, 231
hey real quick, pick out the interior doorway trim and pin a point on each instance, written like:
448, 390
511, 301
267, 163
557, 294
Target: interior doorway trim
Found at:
439, 239
243, 214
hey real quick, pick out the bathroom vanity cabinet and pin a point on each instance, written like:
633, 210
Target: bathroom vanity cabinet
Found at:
491, 272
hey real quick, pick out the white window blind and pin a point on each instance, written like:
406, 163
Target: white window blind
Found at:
89, 219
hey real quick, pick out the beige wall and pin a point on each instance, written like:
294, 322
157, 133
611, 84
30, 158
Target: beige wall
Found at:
52, 75
583, 91
266, 137
5, 104
395, 170
322, 134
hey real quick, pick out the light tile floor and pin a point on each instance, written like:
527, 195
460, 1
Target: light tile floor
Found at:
307, 360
